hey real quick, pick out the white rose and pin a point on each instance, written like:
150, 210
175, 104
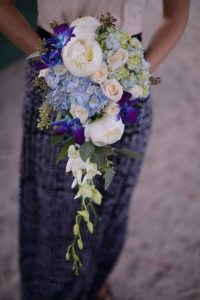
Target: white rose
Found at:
43, 73
82, 57
85, 27
80, 112
112, 89
116, 59
59, 69
104, 131
136, 91
100, 75
112, 108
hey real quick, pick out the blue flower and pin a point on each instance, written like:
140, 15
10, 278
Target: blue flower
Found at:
128, 112
112, 41
72, 127
58, 99
51, 56
52, 79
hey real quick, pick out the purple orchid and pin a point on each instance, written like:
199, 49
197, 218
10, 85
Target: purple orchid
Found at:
63, 34
128, 112
53, 46
72, 127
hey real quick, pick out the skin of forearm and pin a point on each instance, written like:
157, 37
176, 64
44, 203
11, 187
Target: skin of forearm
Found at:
163, 41
16, 28
173, 21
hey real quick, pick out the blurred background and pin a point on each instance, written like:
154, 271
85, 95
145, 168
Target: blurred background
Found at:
161, 258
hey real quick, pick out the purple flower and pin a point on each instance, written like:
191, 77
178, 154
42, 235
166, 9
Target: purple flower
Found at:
128, 112
53, 46
49, 58
72, 127
63, 34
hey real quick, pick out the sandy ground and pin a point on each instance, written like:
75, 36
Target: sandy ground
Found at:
162, 255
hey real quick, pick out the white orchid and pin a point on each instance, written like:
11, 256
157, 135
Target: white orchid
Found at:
75, 162
91, 172
85, 190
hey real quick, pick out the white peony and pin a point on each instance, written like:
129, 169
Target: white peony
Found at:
59, 69
112, 108
79, 111
104, 131
82, 57
112, 89
116, 59
85, 27
100, 75
136, 91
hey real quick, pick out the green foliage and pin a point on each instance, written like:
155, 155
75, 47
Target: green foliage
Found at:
56, 139
107, 21
108, 177
128, 152
100, 156
44, 119
154, 80
40, 83
86, 150
64, 150
84, 213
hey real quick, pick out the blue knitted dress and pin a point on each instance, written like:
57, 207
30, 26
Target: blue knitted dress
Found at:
47, 211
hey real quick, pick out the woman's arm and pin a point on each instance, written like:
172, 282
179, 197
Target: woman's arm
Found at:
15, 27
172, 24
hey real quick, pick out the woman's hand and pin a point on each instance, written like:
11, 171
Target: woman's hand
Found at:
15, 27
172, 24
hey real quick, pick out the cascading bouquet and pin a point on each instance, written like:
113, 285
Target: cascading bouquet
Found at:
94, 80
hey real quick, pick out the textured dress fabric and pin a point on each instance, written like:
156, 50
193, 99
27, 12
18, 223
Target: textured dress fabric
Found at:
129, 13
47, 211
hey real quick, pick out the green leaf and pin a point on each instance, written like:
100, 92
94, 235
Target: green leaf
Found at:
100, 155
90, 227
108, 177
55, 139
76, 229
107, 151
86, 150
99, 159
80, 244
64, 150
85, 215
128, 152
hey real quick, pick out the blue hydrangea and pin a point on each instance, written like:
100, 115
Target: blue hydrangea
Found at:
112, 41
79, 90
52, 80
58, 99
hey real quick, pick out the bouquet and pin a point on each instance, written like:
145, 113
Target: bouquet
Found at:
95, 81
